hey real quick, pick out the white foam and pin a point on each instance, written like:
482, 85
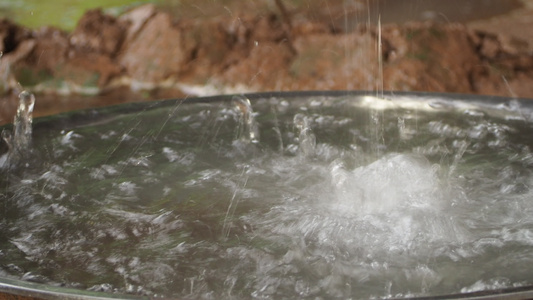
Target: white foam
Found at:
392, 182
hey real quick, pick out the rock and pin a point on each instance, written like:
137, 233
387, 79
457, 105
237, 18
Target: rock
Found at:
489, 46
324, 61
15, 46
146, 49
97, 32
11, 36
505, 67
52, 46
237, 52
155, 52
209, 47
48, 51
88, 69
136, 19
439, 57
265, 68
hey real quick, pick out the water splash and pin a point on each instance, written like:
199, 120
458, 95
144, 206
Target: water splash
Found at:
306, 137
234, 201
390, 183
248, 131
377, 139
340, 224
19, 141
461, 146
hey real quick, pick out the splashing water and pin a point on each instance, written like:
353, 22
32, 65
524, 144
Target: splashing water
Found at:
306, 138
249, 131
19, 142
174, 207
394, 182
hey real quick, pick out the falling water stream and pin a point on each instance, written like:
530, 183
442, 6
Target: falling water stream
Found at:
285, 196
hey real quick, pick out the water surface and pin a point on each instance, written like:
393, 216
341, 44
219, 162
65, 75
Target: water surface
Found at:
343, 196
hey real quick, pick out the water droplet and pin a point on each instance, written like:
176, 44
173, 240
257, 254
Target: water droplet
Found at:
306, 137
19, 142
249, 130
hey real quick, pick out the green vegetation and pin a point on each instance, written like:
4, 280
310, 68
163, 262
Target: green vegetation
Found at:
63, 14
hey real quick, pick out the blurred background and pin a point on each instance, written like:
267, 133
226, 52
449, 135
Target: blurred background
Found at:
82, 54
64, 14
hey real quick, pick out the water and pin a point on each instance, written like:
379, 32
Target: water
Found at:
279, 197
19, 139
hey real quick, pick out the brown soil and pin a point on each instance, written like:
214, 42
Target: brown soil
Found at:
151, 54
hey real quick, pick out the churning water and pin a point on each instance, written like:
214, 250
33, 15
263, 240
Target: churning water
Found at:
291, 196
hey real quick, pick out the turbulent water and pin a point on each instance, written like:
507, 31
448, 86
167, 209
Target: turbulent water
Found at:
311, 197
